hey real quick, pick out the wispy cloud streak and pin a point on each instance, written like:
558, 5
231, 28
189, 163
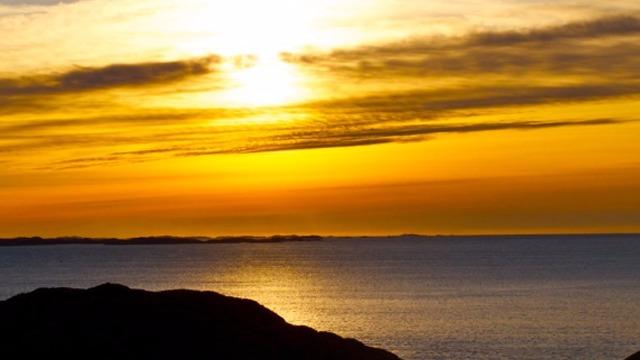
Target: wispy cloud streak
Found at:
321, 138
568, 48
82, 79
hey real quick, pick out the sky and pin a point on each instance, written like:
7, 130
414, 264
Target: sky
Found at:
345, 117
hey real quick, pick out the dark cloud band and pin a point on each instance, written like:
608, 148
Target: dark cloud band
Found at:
117, 75
562, 49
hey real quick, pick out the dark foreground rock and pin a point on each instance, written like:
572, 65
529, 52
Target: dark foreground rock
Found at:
115, 322
635, 356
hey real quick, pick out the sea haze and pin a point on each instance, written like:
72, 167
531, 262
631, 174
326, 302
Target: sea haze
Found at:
542, 297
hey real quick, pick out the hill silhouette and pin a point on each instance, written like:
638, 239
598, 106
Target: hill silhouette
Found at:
114, 322
635, 356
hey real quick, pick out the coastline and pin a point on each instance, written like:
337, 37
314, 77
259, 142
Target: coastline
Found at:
207, 240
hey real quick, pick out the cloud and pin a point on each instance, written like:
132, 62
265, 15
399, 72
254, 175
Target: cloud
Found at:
82, 79
569, 48
132, 118
621, 25
321, 138
595, 28
428, 105
313, 139
55, 92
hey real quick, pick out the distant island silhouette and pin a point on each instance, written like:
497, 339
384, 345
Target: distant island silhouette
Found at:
154, 240
114, 322
206, 240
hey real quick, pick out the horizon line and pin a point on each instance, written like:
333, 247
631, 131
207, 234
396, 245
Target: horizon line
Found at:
302, 235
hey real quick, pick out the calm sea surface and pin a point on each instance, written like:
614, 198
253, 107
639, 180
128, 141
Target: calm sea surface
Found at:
441, 298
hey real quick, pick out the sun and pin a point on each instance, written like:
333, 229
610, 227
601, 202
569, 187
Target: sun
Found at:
267, 82
258, 29
263, 81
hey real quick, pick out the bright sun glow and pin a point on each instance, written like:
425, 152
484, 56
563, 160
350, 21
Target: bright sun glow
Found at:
267, 82
258, 29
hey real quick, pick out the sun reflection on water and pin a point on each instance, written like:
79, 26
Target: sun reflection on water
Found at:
275, 287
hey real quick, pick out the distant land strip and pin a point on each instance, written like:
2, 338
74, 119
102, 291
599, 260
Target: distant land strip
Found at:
154, 240
206, 240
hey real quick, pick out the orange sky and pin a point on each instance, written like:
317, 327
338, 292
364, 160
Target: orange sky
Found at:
125, 118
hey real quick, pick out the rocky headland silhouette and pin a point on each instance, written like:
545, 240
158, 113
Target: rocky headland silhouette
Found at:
112, 321
635, 356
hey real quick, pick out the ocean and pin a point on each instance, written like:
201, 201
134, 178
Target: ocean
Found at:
505, 297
